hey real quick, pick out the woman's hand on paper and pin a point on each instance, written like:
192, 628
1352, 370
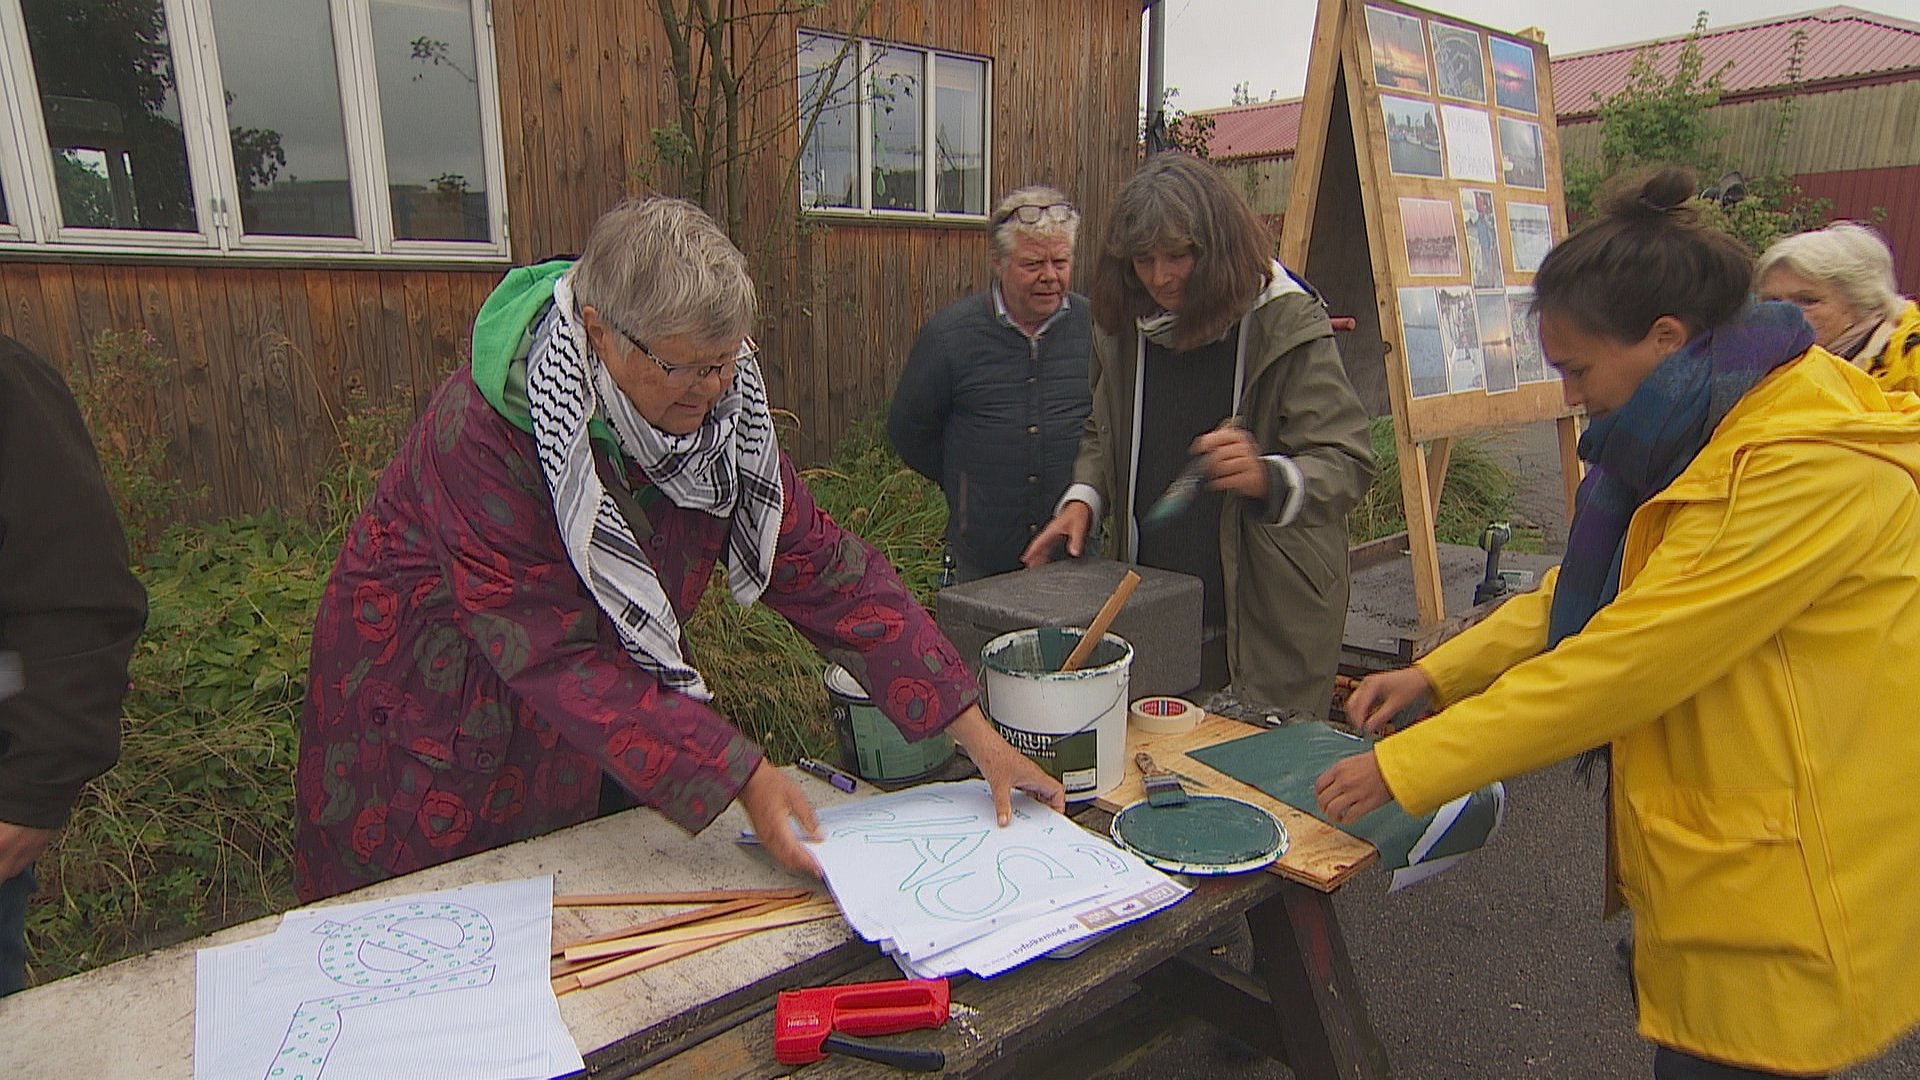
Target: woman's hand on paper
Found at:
1004, 767
774, 802
1352, 788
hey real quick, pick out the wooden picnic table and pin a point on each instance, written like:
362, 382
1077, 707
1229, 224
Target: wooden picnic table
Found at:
711, 1015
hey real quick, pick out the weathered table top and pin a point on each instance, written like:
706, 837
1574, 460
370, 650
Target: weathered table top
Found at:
150, 998
709, 1015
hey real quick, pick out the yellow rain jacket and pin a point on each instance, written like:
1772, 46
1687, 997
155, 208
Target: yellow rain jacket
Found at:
1897, 363
1765, 734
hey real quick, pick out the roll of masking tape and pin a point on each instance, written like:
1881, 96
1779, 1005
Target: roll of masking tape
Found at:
1163, 715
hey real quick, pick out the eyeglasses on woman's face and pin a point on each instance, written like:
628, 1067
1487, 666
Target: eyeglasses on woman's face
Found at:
1029, 214
685, 376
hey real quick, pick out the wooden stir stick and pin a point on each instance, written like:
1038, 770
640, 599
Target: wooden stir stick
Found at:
1121, 593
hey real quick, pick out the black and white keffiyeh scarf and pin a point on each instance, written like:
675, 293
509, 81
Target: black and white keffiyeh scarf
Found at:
728, 467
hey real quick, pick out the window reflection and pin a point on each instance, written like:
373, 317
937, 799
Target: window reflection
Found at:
894, 93
430, 112
827, 166
106, 84
959, 137
283, 117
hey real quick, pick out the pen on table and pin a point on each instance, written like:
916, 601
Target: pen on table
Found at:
828, 773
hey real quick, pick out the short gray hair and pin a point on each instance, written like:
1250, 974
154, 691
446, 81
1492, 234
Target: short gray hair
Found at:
1007, 229
660, 267
1850, 257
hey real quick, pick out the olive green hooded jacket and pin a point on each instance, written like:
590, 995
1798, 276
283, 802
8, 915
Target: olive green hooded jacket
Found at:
1286, 583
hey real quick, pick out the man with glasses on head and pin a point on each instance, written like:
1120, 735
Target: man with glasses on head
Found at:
994, 394
499, 651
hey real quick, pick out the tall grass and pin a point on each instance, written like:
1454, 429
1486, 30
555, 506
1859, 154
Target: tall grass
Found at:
1478, 490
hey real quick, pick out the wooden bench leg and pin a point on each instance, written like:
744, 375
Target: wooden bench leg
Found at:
1322, 1018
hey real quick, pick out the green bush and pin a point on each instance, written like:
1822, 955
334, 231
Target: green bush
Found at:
194, 828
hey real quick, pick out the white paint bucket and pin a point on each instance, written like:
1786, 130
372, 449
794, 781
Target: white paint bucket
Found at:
1073, 723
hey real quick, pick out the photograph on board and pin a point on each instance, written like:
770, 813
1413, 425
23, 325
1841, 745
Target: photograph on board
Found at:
1460, 339
1523, 161
1413, 137
1530, 231
1433, 244
1513, 84
1496, 341
1459, 71
1469, 144
1399, 50
1426, 349
1483, 239
1529, 360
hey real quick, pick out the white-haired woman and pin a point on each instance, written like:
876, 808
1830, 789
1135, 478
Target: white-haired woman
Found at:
1841, 278
503, 627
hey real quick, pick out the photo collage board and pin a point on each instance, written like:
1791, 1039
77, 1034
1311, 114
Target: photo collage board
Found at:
1472, 184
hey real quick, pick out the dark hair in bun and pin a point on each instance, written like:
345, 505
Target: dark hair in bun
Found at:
1648, 254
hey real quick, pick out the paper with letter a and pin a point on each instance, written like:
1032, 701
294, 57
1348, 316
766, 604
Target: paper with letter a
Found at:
447, 984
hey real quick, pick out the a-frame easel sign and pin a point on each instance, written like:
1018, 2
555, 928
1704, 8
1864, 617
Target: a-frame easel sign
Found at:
1426, 190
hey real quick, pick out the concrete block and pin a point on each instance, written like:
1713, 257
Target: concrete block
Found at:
1161, 621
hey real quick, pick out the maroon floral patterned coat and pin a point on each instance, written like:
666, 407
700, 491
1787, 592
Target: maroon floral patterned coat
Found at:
466, 691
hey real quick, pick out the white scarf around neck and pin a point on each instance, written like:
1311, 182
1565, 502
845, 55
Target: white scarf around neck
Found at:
728, 467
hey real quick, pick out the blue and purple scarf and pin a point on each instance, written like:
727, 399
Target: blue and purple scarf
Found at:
1637, 450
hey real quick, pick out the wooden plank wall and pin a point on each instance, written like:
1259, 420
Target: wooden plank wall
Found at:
264, 359
584, 83
267, 355
1861, 127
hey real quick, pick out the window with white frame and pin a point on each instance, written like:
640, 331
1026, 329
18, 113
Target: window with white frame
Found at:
326, 127
877, 141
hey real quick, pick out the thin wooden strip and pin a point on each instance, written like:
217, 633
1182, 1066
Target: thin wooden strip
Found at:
608, 970
654, 957
739, 908
698, 896
667, 922
717, 928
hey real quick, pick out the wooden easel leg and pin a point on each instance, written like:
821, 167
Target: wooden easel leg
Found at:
1316, 999
1418, 483
1570, 468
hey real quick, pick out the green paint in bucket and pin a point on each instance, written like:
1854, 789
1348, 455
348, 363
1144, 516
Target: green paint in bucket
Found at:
869, 743
1072, 723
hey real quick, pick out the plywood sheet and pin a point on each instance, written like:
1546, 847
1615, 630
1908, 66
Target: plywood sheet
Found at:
1319, 855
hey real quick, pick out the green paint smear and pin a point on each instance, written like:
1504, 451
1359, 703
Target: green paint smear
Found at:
1203, 830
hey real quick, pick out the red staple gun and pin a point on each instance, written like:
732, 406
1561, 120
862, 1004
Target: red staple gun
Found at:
810, 1024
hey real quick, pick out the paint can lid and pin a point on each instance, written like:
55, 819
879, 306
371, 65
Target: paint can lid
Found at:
840, 681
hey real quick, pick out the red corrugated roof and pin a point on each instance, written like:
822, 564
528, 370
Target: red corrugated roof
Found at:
1842, 43
1268, 129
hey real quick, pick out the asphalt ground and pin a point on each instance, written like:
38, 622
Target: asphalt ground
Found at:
1501, 966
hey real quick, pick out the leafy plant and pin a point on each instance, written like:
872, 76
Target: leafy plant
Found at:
1666, 118
130, 431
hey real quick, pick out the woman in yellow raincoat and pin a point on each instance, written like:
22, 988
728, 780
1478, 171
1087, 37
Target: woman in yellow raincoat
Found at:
1747, 538
1841, 277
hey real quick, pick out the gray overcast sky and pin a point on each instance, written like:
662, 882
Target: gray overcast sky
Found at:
1213, 44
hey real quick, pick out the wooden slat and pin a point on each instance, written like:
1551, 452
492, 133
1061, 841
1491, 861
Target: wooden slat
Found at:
26, 311
199, 434
395, 349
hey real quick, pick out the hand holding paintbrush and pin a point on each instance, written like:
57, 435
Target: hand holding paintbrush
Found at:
1226, 459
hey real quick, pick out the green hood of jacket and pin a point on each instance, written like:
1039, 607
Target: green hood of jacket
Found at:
503, 335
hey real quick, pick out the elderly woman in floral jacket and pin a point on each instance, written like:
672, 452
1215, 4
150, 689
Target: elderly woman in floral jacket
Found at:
502, 628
